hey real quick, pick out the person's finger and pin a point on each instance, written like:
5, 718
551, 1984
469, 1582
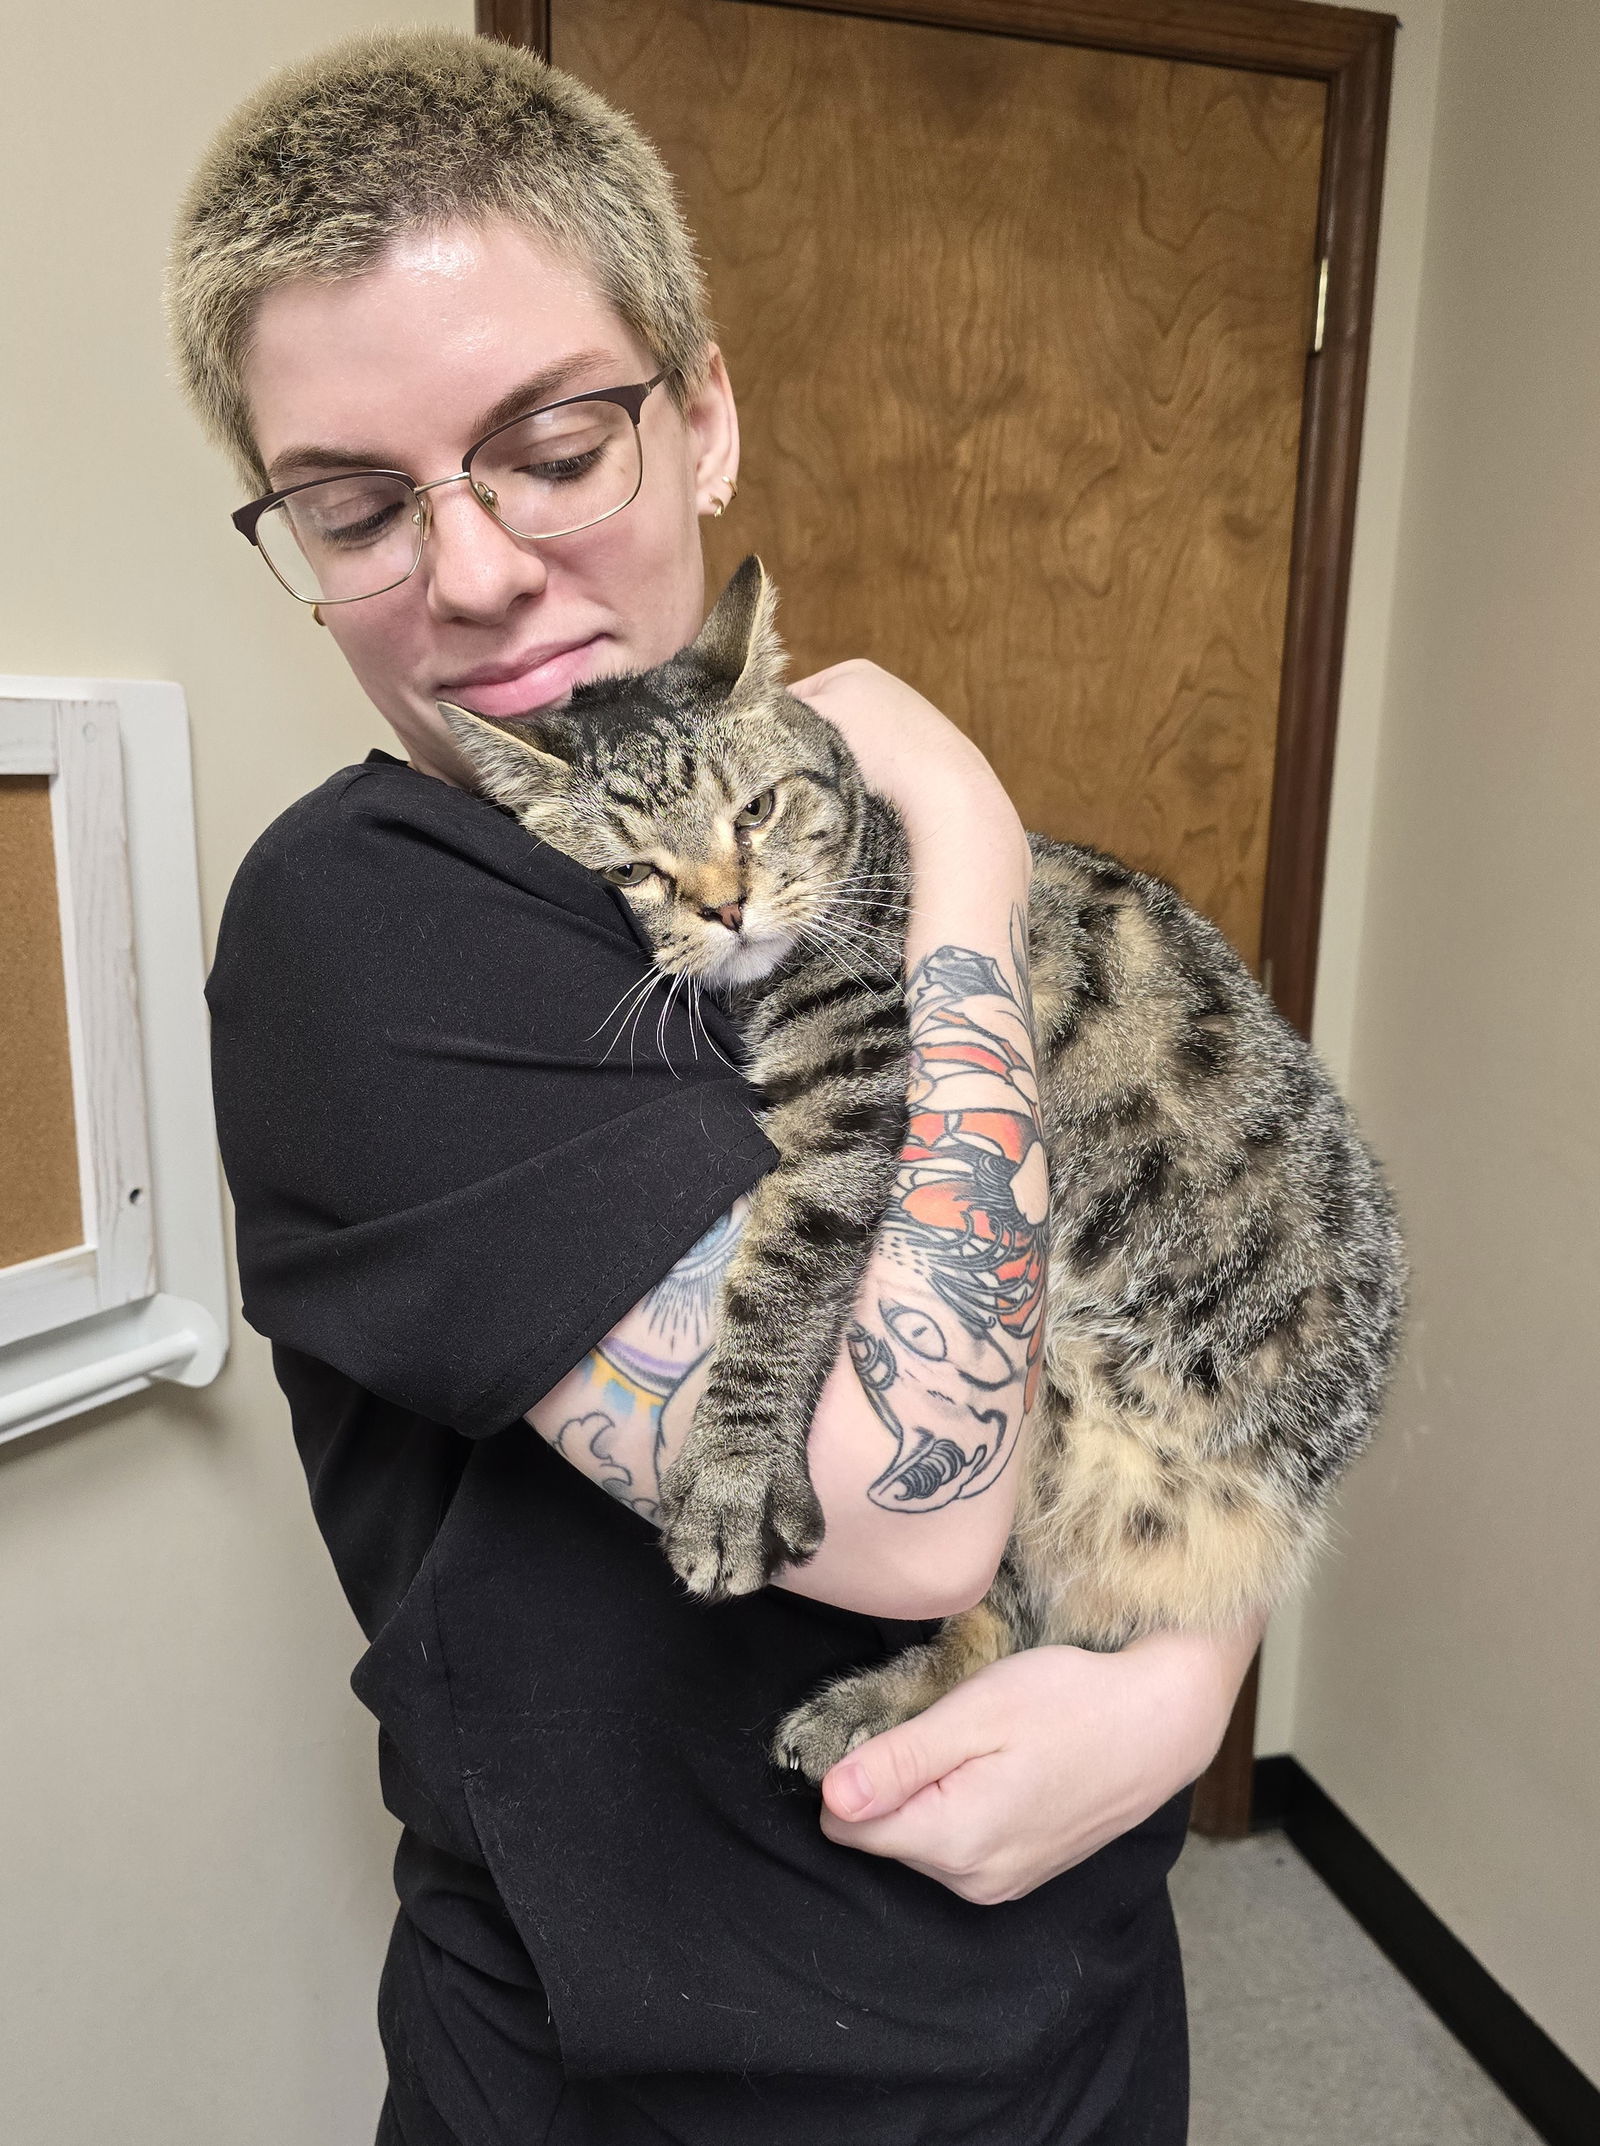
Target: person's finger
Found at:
945, 1830
882, 1774
911, 1834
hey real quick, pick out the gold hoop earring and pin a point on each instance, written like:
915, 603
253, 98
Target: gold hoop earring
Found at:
723, 505
316, 613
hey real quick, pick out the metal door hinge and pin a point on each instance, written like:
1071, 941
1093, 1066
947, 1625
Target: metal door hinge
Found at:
1320, 331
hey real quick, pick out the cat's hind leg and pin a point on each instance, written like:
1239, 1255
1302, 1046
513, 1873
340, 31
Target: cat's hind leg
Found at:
868, 1701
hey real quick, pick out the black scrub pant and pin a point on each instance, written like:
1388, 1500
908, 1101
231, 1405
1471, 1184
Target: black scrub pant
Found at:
474, 2061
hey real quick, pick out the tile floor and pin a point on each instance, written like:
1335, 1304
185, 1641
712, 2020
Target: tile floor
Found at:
1302, 2032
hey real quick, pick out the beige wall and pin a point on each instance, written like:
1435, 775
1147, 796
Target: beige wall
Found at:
194, 1889
1366, 653
1448, 1694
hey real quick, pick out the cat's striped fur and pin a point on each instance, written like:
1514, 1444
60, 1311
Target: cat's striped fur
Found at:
1225, 1273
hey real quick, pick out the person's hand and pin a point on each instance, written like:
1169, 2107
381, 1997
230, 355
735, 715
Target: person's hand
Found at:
1039, 1760
942, 785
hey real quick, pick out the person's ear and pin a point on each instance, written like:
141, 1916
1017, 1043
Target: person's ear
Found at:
738, 644
713, 423
512, 767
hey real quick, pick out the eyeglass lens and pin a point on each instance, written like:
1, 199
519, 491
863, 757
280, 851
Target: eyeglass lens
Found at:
546, 475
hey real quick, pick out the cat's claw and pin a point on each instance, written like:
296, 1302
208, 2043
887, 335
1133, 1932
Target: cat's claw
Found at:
816, 1736
727, 1529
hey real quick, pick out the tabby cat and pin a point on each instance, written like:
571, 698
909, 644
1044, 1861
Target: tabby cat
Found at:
1224, 1270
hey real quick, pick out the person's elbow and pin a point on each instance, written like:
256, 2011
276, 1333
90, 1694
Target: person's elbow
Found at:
890, 1559
911, 1586
949, 1587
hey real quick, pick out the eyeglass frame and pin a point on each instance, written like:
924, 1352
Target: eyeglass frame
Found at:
630, 399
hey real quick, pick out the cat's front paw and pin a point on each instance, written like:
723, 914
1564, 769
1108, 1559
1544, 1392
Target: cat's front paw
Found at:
729, 1523
840, 1716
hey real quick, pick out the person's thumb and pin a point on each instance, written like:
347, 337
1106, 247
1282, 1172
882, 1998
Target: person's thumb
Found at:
887, 1771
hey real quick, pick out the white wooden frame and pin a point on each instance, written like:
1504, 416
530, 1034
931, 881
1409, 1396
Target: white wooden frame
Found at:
78, 746
144, 1295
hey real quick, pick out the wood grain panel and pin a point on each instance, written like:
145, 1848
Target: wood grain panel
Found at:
1019, 332
40, 1210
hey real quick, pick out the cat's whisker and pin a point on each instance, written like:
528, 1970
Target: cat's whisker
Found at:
865, 879
633, 1024
836, 953
653, 975
661, 1025
866, 948
825, 897
711, 1041
886, 982
626, 1028
858, 941
861, 890
872, 903
621, 1007
635, 1010
860, 913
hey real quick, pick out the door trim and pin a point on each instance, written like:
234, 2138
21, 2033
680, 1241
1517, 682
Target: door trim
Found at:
1351, 52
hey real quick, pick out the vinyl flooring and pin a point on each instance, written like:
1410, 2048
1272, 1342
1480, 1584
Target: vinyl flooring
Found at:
1302, 2032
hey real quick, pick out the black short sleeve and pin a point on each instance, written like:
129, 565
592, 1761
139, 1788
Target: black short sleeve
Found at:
456, 1161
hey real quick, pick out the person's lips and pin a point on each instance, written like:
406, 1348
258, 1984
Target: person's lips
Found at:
536, 679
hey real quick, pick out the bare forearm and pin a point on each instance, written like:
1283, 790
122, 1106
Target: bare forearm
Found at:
949, 1318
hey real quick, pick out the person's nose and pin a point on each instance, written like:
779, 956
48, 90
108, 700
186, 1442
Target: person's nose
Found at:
474, 568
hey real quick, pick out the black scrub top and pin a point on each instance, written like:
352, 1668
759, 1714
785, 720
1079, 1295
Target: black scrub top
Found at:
447, 1192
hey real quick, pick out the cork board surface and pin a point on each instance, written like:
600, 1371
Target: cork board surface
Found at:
39, 1204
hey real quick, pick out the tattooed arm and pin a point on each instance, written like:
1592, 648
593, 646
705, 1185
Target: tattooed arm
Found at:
912, 1440
610, 1416
950, 1316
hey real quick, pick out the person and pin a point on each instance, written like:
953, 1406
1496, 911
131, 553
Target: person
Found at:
439, 303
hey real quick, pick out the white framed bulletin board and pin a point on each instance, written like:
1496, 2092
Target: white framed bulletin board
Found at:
111, 1259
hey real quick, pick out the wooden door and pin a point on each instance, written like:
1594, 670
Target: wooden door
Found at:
1022, 301
1018, 333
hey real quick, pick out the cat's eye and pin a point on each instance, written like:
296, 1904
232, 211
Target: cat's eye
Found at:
628, 875
758, 809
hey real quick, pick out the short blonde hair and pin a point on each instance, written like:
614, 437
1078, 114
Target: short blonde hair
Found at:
338, 155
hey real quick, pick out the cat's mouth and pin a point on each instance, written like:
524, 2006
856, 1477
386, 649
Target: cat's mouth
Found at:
740, 957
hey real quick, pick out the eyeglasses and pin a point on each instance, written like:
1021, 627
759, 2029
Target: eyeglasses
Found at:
335, 540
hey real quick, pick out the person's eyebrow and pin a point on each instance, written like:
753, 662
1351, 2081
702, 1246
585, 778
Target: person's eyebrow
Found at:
544, 386
296, 462
549, 385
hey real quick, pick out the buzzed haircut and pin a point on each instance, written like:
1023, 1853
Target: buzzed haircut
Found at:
398, 131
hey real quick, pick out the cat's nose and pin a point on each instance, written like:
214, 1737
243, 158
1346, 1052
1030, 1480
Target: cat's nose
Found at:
730, 913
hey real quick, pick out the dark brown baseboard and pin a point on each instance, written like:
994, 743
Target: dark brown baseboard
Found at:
1539, 2079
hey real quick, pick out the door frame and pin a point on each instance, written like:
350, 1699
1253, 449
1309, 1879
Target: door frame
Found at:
1351, 52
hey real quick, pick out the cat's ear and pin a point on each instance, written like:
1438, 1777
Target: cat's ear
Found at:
511, 767
739, 642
